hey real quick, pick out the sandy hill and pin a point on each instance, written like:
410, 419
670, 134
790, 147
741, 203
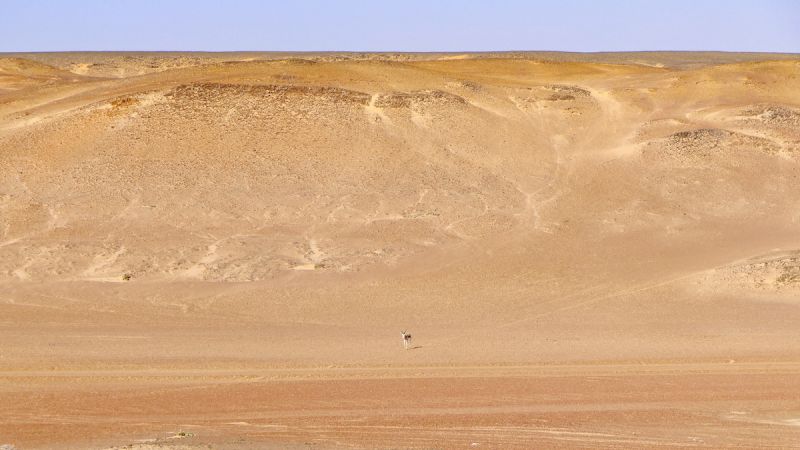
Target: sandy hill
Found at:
258, 211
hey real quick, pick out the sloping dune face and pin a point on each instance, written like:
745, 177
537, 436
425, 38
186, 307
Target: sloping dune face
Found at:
254, 212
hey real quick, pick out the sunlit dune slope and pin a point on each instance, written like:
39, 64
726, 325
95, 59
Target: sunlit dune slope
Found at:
495, 191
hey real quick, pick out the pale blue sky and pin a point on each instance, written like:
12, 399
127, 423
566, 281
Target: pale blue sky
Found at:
401, 25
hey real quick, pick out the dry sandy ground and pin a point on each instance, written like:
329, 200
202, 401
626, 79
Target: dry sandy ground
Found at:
220, 250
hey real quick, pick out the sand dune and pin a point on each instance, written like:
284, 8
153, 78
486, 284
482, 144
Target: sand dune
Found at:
590, 250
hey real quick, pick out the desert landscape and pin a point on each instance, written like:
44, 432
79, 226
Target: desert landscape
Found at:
220, 250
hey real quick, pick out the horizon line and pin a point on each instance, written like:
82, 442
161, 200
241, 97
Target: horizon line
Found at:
404, 51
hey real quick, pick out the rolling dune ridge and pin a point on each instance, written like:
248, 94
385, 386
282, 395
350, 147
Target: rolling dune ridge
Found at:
590, 250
